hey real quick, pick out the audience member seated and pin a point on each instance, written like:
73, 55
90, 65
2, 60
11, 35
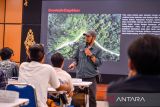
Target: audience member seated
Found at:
3, 80
39, 74
144, 65
10, 68
58, 61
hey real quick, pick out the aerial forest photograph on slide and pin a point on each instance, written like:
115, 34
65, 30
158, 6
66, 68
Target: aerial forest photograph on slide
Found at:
65, 33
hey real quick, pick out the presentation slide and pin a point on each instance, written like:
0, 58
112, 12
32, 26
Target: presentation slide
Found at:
116, 22
65, 33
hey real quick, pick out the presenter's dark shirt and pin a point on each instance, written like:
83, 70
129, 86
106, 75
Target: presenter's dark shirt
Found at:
86, 68
137, 84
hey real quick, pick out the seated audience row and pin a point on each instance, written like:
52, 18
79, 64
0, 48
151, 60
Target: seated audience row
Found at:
40, 75
143, 63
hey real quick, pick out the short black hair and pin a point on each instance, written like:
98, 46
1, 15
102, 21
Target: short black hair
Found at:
145, 54
57, 60
6, 53
36, 52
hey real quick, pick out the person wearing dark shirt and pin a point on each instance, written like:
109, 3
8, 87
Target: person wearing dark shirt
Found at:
88, 58
3, 80
9, 67
144, 66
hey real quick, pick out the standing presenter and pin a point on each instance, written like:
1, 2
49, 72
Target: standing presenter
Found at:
87, 59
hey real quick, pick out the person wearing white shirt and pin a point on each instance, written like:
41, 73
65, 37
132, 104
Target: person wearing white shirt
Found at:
58, 61
39, 75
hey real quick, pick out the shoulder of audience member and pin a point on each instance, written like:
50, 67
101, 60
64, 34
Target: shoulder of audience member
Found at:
67, 74
14, 63
48, 66
114, 86
24, 63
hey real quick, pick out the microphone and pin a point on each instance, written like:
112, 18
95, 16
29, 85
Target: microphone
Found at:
87, 46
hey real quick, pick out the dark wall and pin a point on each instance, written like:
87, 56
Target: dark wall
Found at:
31, 19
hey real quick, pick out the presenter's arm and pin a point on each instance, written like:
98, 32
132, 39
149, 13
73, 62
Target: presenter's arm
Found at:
93, 58
97, 58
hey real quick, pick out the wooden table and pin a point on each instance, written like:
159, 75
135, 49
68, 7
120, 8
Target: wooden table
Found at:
17, 103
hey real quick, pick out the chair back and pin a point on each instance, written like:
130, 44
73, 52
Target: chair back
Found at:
25, 91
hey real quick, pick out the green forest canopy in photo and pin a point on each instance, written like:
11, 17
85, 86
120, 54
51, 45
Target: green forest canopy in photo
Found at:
65, 32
